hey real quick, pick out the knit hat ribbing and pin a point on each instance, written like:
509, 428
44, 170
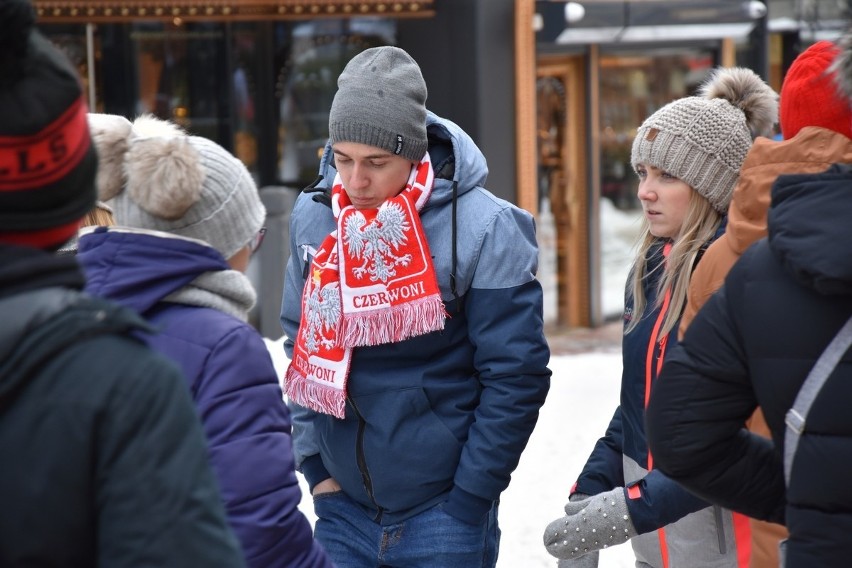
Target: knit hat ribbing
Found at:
810, 95
156, 177
47, 162
381, 102
703, 140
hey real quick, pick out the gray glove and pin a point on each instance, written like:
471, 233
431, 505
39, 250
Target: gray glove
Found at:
589, 560
590, 525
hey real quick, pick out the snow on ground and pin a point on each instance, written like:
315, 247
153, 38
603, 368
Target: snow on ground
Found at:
583, 395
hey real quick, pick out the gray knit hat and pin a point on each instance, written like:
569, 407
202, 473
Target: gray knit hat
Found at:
703, 140
156, 177
381, 102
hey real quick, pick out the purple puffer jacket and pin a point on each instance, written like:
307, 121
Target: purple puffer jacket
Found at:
232, 380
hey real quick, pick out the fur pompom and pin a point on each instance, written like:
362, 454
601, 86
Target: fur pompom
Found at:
842, 65
164, 172
744, 89
149, 126
110, 134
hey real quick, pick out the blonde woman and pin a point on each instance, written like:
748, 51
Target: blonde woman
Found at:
687, 156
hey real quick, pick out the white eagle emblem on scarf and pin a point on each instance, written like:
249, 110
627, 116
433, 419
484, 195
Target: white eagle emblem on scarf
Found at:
322, 312
376, 242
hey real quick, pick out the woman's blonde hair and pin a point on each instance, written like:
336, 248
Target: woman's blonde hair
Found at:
100, 216
699, 225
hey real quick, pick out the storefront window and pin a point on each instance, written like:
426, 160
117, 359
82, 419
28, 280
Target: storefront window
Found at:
246, 66
71, 40
182, 75
310, 56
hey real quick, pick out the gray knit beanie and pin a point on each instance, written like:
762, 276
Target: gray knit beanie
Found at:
381, 102
156, 177
703, 140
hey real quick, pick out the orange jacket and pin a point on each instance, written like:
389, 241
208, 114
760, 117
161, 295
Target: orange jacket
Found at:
812, 150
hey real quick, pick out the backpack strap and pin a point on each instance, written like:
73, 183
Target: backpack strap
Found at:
796, 416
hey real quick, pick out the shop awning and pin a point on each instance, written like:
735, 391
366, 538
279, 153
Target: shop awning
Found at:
97, 11
644, 21
644, 34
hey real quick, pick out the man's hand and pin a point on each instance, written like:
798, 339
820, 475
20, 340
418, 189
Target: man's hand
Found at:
590, 525
326, 486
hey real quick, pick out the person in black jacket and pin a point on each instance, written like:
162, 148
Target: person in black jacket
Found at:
754, 343
103, 462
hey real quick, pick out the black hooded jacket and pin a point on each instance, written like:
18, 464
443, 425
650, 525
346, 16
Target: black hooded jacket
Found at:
102, 459
754, 342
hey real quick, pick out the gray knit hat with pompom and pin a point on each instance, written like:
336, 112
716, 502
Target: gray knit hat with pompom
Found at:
157, 177
703, 140
381, 102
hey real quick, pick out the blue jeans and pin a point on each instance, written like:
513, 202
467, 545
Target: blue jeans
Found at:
430, 539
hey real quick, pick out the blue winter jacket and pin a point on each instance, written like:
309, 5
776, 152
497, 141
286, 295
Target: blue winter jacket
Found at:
232, 381
446, 415
625, 435
695, 534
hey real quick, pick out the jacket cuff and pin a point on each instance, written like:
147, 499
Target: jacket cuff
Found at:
314, 471
466, 507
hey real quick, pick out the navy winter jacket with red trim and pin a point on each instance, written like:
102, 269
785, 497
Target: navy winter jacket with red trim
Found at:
663, 501
695, 533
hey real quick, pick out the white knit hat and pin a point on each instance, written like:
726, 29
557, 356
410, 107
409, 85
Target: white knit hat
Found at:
704, 140
157, 177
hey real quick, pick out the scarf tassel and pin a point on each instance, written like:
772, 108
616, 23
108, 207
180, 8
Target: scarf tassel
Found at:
393, 324
313, 395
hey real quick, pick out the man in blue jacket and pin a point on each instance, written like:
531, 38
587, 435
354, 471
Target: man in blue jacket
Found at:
414, 326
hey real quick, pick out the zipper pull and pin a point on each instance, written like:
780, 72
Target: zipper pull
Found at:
308, 252
661, 349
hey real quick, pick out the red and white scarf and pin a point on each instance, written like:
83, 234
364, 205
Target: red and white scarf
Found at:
371, 282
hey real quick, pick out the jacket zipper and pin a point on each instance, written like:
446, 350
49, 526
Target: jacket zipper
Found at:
362, 461
653, 363
720, 528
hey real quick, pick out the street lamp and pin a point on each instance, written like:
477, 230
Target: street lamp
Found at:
758, 39
573, 12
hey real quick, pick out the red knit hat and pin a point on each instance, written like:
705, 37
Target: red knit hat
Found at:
47, 160
810, 96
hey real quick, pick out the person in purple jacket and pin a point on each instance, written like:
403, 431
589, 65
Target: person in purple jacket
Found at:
188, 217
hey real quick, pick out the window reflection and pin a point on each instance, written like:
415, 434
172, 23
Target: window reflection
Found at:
181, 75
632, 88
310, 56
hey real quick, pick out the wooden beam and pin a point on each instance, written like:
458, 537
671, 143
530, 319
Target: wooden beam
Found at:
115, 11
525, 136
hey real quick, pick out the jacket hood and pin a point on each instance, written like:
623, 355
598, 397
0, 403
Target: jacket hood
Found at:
139, 268
809, 229
42, 322
455, 158
813, 149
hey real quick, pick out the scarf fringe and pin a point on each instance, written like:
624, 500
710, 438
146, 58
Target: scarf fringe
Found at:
317, 397
390, 325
